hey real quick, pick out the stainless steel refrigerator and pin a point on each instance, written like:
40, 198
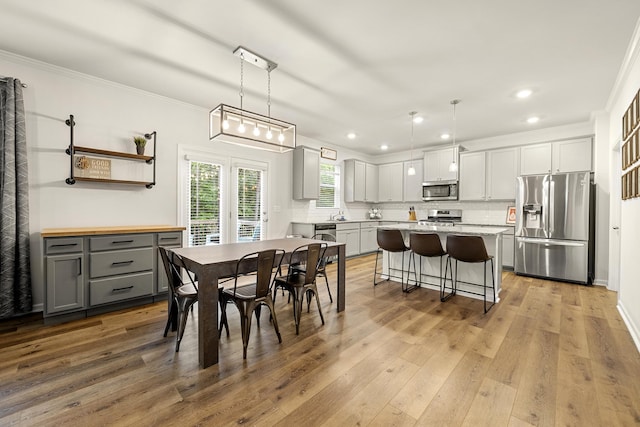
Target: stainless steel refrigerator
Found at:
554, 235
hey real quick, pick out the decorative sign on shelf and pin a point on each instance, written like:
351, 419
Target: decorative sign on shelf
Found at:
328, 153
90, 167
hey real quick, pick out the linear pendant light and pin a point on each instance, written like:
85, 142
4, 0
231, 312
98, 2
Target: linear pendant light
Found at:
242, 127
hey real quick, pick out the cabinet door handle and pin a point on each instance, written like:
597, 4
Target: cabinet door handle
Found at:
122, 289
79, 266
115, 242
122, 262
65, 245
165, 238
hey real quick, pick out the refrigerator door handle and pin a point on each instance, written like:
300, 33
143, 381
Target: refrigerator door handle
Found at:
548, 242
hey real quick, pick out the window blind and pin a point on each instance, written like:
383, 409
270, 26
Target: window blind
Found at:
204, 203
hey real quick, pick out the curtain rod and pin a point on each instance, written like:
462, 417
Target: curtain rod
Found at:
21, 84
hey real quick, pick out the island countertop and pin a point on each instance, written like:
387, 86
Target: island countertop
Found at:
457, 229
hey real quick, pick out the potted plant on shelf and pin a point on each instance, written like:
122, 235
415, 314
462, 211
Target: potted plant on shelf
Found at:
140, 142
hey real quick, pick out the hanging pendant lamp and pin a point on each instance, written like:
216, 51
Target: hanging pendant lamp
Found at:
412, 170
242, 127
453, 167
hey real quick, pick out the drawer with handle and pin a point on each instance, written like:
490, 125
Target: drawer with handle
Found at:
120, 262
109, 290
63, 245
124, 241
169, 239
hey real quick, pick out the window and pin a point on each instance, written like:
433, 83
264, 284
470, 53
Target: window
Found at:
204, 203
249, 193
329, 186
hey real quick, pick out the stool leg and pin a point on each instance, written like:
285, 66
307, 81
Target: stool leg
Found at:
443, 295
493, 286
412, 256
375, 269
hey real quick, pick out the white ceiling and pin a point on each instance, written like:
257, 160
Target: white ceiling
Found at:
359, 65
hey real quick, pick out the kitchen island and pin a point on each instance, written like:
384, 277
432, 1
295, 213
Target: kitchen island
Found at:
467, 273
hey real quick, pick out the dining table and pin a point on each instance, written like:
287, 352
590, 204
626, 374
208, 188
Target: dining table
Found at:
211, 263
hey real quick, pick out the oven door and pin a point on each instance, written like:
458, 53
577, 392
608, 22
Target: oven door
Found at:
440, 190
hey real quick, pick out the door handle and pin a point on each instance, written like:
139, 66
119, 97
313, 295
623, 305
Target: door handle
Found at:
616, 228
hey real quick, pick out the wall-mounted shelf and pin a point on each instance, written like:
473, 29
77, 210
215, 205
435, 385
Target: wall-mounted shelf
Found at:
74, 149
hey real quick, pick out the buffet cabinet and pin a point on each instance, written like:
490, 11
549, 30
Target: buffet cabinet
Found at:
90, 271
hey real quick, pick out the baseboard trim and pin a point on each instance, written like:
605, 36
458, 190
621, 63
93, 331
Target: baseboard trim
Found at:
633, 329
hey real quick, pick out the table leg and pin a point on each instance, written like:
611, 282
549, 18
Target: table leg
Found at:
207, 317
341, 277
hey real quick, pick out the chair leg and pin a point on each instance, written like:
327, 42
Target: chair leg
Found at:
170, 316
298, 300
245, 324
269, 303
318, 303
183, 313
328, 287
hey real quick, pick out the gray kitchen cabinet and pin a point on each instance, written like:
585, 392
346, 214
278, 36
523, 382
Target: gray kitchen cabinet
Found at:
306, 174
360, 181
64, 263
436, 164
488, 175
349, 234
390, 182
95, 270
368, 237
556, 157
508, 248
412, 188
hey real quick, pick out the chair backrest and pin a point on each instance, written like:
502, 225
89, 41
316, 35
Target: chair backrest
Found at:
173, 265
467, 248
426, 244
326, 237
391, 240
264, 263
314, 255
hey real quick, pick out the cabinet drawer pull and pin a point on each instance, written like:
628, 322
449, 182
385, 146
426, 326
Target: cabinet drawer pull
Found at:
122, 262
168, 238
115, 242
61, 245
127, 288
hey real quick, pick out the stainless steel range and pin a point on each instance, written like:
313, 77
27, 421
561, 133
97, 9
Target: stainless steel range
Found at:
442, 217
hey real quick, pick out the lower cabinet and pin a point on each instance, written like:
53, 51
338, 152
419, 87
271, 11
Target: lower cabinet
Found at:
86, 272
349, 234
368, 237
508, 248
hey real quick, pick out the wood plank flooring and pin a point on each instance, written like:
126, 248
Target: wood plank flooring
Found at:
548, 354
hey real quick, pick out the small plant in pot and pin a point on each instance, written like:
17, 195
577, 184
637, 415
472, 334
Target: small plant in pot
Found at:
140, 142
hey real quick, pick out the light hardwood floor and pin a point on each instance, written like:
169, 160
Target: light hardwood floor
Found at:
548, 354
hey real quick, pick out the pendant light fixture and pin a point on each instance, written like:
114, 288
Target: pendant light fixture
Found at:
411, 170
241, 127
453, 167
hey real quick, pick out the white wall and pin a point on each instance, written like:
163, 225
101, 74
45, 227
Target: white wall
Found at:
107, 116
624, 91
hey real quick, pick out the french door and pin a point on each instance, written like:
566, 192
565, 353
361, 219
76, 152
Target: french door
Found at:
225, 204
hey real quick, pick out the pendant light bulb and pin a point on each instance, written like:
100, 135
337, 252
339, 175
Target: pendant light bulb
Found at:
225, 122
256, 131
241, 128
269, 134
411, 171
281, 137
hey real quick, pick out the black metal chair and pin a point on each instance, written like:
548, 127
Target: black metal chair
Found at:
424, 245
299, 283
390, 240
470, 249
183, 295
322, 266
250, 297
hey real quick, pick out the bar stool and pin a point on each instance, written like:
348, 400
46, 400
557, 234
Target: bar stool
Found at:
470, 249
392, 242
424, 245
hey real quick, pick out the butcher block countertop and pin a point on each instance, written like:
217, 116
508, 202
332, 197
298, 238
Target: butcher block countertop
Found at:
96, 231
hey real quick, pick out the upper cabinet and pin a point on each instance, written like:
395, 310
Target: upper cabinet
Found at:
412, 189
360, 181
488, 175
390, 183
306, 173
436, 164
556, 157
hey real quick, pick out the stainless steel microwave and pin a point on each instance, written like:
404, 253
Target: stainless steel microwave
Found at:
439, 190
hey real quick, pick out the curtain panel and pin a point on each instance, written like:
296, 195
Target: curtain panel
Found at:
15, 273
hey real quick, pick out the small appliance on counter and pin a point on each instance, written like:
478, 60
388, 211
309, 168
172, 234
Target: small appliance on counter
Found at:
375, 213
442, 217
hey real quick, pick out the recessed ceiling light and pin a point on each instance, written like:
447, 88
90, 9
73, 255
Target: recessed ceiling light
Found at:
418, 119
532, 120
384, 147
445, 136
524, 93
351, 135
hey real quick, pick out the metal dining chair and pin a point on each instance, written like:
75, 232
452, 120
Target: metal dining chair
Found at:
299, 283
249, 298
322, 266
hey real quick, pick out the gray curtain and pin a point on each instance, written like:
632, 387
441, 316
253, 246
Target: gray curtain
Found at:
15, 272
